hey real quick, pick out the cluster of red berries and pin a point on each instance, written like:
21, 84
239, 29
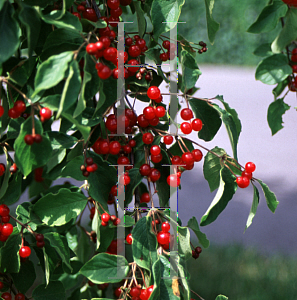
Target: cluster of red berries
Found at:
30, 139
8, 296
6, 228
18, 108
87, 12
163, 236
186, 127
90, 168
203, 49
196, 252
170, 54
39, 240
136, 293
105, 217
243, 181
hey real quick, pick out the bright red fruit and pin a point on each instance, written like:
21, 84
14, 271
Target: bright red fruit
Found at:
246, 174
165, 226
110, 53
129, 241
20, 106
123, 160
166, 44
163, 56
118, 292
149, 112
80, 8
113, 4
197, 124
155, 175
4, 210
2, 169
153, 92
125, 179
116, 12
160, 111
156, 158
1, 111
145, 198
104, 73
186, 127
147, 138
13, 113
105, 217
90, 14
7, 229
242, 182
186, 114
145, 170
142, 121
45, 114
114, 147
176, 160
155, 150
37, 138
173, 180
163, 237
250, 167
91, 49
188, 158
168, 139
197, 154
25, 251
134, 51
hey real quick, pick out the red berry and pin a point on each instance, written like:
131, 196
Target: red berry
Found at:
294, 58
173, 180
294, 51
186, 114
13, 168
104, 42
149, 112
128, 41
294, 68
166, 44
123, 160
145, 198
114, 190
250, 167
242, 182
89, 161
92, 168
155, 150
163, 57
2, 169
20, 106
114, 147
142, 121
141, 43
163, 237
165, 226
197, 154
129, 241
116, 12
104, 73
38, 174
77, 14
90, 14
132, 143
188, 158
159, 99
4, 210
45, 114
153, 92
29, 140
134, 65
197, 124
7, 229
1, 285
145, 170
113, 4
117, 221
91, 49
5, 219
156, 158
147, 138
160, 111
110, 53
134, 51
105, 217
19, 296
249, 176
1, 111
198, 250
37, 138
186, 127
154, 175
195, 254
168, 139
25, 251
39, 237
6, 296
13, 113
80, 8
176, 160
118, 292
125, 179
104, 223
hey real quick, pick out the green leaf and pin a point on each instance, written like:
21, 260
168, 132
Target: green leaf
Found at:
9, 32
230, 125
144, 245
136, 179
25, 278
72, 238
61, 140
185, 45
84, 251
288, 32
273, 69
5, 120
71, 89
29, 157
209, 116
141, 21
100, 184
184, 245
96, 223
224, 194
52, 71
53, 291
29, 17
103, 268
72, 167
90, 85
184, 281
23, 215
253, 208
164, 15
4, 185
280, 88
212, 167
68, 21
13, 191
9, 253
212, 25
193, 224
59, 243
275, 115
263, 50
58, 209
269, 17
190, 70
270, 197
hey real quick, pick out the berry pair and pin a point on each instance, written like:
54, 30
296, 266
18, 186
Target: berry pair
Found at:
243, 181
196, 252
90, 168
31, 139
186, 127
18, 108
39, 240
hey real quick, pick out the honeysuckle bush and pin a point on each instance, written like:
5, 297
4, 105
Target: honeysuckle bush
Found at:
60, 67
